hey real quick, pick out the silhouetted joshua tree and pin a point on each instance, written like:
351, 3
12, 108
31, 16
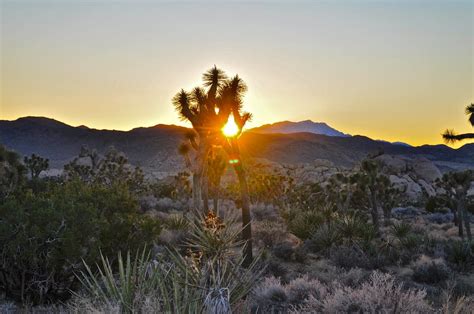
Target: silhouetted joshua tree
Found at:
450, 136
208, 112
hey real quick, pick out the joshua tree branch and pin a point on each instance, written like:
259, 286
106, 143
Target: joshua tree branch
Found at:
450, 136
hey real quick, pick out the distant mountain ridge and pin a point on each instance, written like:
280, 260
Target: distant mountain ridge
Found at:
155, 148
288, 127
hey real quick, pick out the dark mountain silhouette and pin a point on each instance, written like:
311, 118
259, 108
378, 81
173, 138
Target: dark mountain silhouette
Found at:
288, 127
155, 148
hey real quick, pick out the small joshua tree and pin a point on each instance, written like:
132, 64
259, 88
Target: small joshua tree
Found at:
35, 165
457, 185
378, 189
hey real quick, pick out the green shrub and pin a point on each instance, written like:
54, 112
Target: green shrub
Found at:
176, 222
460, 254
305, 223
401, 230
353, 227
323, 239
44, 237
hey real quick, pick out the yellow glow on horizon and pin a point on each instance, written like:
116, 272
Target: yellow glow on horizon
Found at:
230, 129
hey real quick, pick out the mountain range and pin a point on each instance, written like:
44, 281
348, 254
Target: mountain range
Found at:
155, 148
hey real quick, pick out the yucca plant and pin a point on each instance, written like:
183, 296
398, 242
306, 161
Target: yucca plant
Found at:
210, 278
401, 230
134, 280
176, 222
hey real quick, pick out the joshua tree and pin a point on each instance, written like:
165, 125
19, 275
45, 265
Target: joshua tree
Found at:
209, 111
35, 165
457, 185
377, 188
450, 136
340, 189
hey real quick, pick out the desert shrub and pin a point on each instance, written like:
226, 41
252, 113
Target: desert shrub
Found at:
270, 296
401, 230
354, 227
268, 233
379, 294
304, 224
430, 271
44, 237
275, 268
176, 222
264, 212
323, 239
284, 251
460, 305
411, 242
300, 254
347, 228
408, 239
369, 255
435, 204
460, 254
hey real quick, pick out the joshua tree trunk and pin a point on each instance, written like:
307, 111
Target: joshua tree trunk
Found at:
200, 173
217, 188
460, 219
465, 218
347, 203
196, 191
246, 221
387, 215
216, 202
205, 191
374, 211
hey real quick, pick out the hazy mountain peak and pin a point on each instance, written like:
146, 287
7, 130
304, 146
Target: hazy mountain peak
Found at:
307, 126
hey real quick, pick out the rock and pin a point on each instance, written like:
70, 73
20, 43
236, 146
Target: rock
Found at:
406, 185
428, 188
405, 212
426, 170
292, 240
440, 218
413, 191
394, 164
470, 192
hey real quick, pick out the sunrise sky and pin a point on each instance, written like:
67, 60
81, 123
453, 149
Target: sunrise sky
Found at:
398, 70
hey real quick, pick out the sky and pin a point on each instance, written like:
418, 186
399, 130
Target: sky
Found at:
392, 70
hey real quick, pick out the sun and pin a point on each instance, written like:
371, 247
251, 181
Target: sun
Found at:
230, 129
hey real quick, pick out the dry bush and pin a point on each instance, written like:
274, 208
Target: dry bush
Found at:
379, 294
456, 305
268, 233
431, 271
